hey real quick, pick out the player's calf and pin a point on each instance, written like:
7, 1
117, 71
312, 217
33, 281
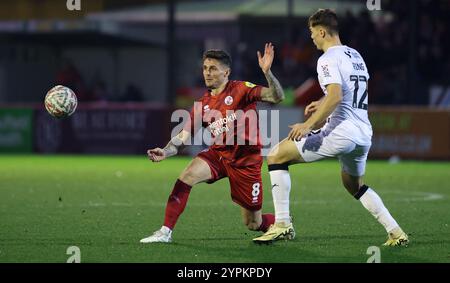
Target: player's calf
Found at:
352, 184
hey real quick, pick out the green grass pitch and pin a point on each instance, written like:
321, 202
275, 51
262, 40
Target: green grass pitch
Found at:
105, 204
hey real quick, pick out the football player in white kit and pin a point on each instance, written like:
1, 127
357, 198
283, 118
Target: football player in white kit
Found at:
346, 134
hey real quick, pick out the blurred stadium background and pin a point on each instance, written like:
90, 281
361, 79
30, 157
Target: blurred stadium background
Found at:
131, 63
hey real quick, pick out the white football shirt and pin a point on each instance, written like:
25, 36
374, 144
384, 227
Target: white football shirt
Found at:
345, 66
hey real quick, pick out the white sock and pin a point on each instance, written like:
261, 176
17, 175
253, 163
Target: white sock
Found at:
281, 186
373, 203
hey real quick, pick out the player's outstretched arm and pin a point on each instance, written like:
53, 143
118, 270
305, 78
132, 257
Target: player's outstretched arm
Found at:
171, 149
274, 93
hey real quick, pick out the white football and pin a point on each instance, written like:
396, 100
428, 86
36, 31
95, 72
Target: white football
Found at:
61, 101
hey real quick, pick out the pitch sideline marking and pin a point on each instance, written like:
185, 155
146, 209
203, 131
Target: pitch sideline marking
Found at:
419, 196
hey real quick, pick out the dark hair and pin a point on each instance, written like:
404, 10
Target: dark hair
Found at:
219, 55
326, 18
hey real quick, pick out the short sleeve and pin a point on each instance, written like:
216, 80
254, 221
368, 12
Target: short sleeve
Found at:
328, 71
252, 92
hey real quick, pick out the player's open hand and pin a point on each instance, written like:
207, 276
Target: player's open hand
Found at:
156, 154
265, 61
298, 131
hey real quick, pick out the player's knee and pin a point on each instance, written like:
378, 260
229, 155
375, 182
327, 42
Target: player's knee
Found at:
274, 157
270, 160
252, 226
188, 177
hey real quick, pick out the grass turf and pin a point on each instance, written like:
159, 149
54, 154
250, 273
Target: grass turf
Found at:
106, 204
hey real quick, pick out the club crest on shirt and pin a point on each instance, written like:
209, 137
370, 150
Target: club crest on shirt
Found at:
228, 100
206, 108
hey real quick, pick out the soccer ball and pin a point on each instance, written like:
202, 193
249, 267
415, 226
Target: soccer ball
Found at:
61, 101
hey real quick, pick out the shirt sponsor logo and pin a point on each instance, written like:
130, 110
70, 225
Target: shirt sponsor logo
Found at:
220, 126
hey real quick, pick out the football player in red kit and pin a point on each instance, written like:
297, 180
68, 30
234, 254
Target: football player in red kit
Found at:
228, 111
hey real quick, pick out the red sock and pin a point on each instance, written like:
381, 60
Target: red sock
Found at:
267, 220
176, 203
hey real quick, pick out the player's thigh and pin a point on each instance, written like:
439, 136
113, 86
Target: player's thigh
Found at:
284, 152
196, 172
319, 145
353, 167
246, 186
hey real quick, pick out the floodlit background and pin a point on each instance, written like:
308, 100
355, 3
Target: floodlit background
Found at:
144, 58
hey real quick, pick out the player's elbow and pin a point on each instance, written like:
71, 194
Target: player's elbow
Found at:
338, 99
278, 98
335, 98
281, 98
335, 93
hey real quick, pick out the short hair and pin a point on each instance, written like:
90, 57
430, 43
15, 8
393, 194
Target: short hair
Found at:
326, 18
219, 55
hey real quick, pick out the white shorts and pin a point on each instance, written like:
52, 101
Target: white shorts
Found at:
318, 145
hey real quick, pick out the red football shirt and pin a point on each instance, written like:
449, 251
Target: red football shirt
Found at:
232, 119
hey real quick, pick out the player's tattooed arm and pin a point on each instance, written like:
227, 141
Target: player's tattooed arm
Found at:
176, 142
274, 93
171, 149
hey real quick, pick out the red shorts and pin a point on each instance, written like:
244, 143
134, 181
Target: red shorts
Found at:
245, 182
